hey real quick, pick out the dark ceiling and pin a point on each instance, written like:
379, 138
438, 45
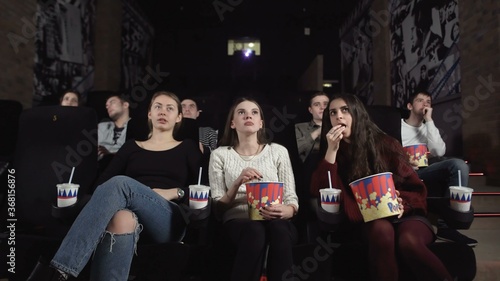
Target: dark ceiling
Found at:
321, 14
191, 40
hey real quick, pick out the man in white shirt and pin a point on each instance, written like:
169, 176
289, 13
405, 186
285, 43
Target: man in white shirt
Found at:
420, 128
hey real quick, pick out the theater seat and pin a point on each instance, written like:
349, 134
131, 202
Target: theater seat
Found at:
51, 140
459, 259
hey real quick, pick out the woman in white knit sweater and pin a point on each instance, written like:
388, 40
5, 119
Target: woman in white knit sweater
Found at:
244, 155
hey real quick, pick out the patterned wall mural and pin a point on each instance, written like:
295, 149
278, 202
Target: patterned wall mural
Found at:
424, 50
357, 53
64, 56
137, 42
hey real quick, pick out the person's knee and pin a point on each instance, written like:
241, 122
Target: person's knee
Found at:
461, 165
254, 233
116, 182
381, 234
124, 221
279, 230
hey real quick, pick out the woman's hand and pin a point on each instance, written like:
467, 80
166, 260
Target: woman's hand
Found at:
400, 205
414, 164
248, 174
334, 136
277, 211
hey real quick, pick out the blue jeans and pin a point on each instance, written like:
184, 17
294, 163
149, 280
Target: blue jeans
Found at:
445, 171
161, 219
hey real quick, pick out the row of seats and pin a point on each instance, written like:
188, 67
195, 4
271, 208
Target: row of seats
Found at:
53, 139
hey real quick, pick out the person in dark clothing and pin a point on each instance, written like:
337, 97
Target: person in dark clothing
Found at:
139, 192
353, 147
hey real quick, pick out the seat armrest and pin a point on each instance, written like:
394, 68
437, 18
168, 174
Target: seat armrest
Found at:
69, 213
197, 217
327, 221
200, 214
454, 219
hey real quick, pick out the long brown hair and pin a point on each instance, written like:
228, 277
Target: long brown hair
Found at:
179, 110
366, 144
230, 137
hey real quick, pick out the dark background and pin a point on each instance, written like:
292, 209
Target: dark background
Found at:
191, 43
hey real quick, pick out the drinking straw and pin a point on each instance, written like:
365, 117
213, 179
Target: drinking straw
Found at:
459, 178
199, 176
71, 176
330, 179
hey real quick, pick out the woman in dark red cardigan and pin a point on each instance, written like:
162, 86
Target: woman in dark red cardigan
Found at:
354, 147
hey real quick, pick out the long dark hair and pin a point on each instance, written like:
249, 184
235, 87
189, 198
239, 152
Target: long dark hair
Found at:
230, 137
179, 110
366, 147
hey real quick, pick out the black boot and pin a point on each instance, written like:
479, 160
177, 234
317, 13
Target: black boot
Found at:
44, 272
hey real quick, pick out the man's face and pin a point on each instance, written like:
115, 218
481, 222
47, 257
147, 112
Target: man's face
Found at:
190, 109
420, 102
116, 108
318, 105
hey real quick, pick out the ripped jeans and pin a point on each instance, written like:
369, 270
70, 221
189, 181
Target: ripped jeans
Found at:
161, 219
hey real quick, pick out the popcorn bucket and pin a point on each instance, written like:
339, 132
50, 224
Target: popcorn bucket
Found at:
419, 153
376, 196
260, 194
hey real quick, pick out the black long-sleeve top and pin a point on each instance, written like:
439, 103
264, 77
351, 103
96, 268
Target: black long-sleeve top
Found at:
175, 167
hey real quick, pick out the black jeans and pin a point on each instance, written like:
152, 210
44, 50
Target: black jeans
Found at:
251, 237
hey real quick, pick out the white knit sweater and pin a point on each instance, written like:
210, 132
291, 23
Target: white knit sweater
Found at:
273, 162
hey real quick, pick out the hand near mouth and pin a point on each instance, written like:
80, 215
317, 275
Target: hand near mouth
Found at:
334, 136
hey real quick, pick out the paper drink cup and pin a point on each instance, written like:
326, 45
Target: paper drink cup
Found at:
330, 199
260, 194
460, 198
376, 196
67, 194
419, 153
198, 196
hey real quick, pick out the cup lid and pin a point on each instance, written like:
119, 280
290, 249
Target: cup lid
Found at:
330, 190
462, 188
68, 184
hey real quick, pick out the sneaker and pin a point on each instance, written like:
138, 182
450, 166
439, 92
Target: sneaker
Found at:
451, 235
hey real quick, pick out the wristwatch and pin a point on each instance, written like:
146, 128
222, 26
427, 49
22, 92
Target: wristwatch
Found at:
180, 193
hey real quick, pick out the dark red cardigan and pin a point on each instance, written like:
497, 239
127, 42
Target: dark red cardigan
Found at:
412, 189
